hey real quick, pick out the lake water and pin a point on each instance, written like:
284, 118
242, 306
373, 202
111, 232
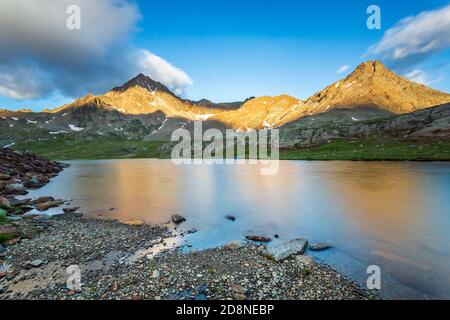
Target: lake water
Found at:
392, 214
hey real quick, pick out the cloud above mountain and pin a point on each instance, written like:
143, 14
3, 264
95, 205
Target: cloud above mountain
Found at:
40, 56
413, 39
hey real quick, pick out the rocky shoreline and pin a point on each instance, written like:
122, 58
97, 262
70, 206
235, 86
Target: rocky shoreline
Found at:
131, 260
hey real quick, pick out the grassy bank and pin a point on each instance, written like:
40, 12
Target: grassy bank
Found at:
96, 148
373, 148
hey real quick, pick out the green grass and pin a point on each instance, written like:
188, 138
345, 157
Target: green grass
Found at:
372, 148
96, 148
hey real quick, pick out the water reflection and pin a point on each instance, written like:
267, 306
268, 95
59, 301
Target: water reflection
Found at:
395, 215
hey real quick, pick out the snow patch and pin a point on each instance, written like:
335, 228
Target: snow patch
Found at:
14, 118
9, 145
75, 128
162, 125
31, 121
354, 119
57, 132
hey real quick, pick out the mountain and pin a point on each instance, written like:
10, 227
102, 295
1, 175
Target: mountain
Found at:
144, 109
370, 86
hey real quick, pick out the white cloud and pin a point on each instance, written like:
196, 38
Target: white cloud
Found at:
420, 76
413, 39
40, 56
342, 69
160, 70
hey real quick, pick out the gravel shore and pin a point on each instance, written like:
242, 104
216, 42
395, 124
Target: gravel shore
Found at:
115, 263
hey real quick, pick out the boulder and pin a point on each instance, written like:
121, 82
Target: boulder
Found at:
258, 238
4, 202
70, 210
8, 229
42, 200
21, 202
4, 176
319, 246
177, 219
47, 205
287, 249
15, 188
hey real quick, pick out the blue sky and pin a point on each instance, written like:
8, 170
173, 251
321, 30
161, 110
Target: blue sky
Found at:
231, 50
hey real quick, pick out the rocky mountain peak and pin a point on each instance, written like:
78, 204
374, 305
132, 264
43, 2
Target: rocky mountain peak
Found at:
370, 69
145, 82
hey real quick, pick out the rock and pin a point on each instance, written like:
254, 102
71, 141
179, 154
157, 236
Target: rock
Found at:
305, 260
4, 202
2, 249
42, 200
177, 219
8, 229
36, 263
47, 205
258, 238
70, 210
15, 188
21, 202
239, 292
2, 213
4, 176
133, 222
230, 217
320, 246
287, 249
155, 274
15, 218
233, 245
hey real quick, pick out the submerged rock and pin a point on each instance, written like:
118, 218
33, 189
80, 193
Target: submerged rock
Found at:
233, 245
177, 219
230, 217
258, 238
319, 246
287, 249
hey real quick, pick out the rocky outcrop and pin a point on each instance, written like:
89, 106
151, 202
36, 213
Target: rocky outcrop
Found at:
431, 123
20, 171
